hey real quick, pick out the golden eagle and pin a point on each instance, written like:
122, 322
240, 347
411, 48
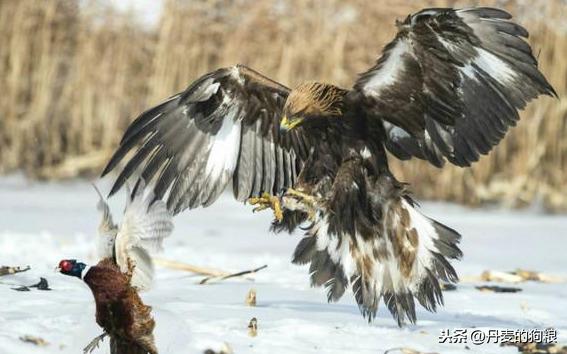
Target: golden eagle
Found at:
447, 87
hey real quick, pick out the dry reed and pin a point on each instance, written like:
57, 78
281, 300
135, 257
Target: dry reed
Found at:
73, 77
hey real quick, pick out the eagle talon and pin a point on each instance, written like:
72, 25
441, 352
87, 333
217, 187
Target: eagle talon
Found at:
267, 201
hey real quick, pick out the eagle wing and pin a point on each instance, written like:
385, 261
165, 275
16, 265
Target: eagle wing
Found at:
224, 126
450, 84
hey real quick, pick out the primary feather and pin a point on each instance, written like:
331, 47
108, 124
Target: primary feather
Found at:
450, 84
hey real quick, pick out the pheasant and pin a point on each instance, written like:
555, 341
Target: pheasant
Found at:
124, 269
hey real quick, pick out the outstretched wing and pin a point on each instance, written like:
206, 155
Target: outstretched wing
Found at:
224, 126
146, 222
450, 84
107, 229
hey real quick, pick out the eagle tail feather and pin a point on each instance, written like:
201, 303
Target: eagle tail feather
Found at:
404, 260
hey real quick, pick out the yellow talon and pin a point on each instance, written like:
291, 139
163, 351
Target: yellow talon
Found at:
277, 206
266, 201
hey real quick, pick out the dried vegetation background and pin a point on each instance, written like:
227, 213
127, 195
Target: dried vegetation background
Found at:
72, 78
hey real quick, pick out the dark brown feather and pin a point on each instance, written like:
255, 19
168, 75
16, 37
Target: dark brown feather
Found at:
175, 141
119, 309
450, 84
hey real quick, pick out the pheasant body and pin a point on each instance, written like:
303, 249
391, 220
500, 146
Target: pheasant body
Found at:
119, 309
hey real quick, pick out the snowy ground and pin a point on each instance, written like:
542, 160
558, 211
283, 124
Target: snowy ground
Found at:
43, 223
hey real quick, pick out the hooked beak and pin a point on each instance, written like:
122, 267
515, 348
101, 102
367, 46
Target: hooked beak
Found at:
287, 125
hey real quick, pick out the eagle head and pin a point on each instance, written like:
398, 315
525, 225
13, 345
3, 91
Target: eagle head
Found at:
312, 102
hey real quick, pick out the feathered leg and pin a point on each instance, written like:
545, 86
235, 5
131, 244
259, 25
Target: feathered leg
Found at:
296, 199
369, 235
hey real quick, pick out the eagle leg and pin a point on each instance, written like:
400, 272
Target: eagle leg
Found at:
268, 201
94, 343
309, 202
305, 198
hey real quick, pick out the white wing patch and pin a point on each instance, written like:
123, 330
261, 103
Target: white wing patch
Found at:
388, 73
488, 62
209, 91
491, 65
223, 154
395, 132
494, 66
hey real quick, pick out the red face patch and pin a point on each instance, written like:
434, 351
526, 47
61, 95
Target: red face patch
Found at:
65, 265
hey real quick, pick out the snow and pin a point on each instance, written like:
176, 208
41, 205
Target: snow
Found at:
41, 223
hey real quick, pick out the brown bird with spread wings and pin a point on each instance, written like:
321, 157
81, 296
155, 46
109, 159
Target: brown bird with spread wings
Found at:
447, 88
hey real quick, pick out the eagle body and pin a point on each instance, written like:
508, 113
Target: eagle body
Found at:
364, 230
446, 89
